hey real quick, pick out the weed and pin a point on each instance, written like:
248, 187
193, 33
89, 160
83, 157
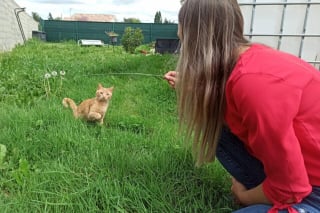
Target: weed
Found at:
52, 83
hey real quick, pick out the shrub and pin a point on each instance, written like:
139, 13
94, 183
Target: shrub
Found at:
131, 39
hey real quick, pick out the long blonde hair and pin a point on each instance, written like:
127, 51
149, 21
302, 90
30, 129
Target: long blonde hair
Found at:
211, 32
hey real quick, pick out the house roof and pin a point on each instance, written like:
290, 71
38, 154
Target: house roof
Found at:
91, 17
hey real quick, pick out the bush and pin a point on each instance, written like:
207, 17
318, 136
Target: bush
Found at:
131, 39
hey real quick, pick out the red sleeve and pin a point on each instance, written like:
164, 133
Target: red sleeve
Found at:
268, 106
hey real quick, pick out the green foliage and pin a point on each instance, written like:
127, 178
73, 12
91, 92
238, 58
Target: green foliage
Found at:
22, 173
36, 17
3, 152
142, 48
50, 17
22, 74
167, 21
53, 82
158, 18
146, 49
131, 20
131, 39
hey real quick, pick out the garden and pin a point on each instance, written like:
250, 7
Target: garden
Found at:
135, 162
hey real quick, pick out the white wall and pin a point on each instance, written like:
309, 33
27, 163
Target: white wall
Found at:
10, 34
267, 20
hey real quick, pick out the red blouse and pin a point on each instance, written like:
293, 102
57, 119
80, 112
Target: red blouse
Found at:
273, 106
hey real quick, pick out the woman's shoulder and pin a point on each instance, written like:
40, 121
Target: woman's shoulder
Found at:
261, 61
261, 55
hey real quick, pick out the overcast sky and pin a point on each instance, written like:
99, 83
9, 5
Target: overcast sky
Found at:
144, 10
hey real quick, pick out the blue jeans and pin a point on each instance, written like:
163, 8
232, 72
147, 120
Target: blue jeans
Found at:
248, 170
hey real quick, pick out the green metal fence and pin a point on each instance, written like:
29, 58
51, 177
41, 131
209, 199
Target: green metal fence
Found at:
74, 30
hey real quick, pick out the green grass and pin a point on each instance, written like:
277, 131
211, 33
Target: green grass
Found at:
135, 162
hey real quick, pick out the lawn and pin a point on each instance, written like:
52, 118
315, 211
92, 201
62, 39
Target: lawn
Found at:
135, 162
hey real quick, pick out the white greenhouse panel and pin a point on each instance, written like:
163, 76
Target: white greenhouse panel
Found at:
289, 25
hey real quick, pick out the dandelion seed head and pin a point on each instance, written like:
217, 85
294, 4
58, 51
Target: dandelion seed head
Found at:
62, 72
47, 75
54, 73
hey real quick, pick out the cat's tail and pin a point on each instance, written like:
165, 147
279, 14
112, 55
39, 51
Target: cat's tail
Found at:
68, 102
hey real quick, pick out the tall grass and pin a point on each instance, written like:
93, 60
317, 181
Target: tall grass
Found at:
135, 162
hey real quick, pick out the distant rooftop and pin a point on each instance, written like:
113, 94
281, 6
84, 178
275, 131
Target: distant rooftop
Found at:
91, 17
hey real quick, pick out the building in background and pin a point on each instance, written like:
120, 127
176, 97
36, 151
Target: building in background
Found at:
91, 17
10, 32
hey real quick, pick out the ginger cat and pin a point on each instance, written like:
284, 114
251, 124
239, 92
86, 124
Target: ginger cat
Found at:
93, 109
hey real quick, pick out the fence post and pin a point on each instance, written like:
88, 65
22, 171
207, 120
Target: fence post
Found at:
150, 33
252, 18
282, 24
304, 28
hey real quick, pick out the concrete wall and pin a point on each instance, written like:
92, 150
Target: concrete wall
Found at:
10, 34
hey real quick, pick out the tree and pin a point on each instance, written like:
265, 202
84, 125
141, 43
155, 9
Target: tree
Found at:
50, 16
131, 39
131, 20
36, 17
157, 17
166, 21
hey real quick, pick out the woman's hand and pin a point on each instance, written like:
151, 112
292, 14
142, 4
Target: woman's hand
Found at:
237, 189
248, 197
171, 77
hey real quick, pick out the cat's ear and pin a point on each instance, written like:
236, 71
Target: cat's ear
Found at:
112, 87
100, 86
